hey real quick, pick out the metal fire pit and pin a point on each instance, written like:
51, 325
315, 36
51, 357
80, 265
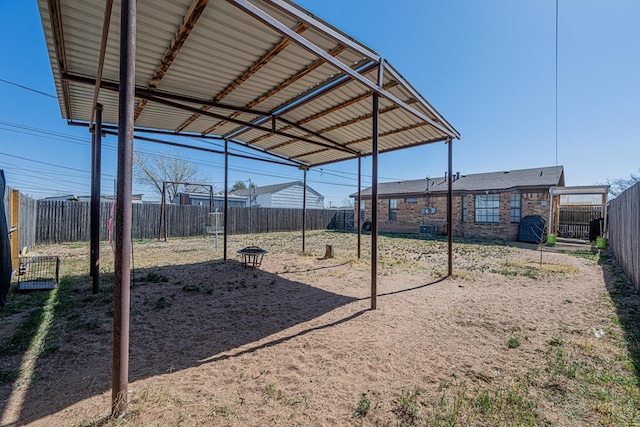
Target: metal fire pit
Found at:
252, 255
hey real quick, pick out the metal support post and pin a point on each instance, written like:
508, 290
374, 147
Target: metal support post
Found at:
550, 225
375, 135
163, 208
122, 258
374, 204
96, 160
450, 210
304, 208
226, 199
359, 220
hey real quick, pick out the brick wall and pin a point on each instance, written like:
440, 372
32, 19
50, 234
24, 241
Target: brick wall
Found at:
409, 216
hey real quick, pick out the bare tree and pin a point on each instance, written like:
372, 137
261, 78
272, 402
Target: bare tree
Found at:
153, 169
618, 185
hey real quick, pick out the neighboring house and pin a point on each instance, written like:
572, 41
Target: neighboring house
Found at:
488, 205
135, 198
203, 199
63, 198
287, 195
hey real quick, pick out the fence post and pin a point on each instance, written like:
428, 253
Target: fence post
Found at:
14, 221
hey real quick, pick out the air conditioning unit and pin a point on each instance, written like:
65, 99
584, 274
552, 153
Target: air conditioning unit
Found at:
429, 229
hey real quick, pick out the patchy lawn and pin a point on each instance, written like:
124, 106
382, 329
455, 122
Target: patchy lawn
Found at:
515, 337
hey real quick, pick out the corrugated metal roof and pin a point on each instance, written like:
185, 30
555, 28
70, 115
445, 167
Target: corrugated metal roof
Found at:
522, 178
239, 69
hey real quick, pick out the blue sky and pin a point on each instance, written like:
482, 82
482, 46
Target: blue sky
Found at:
487, 66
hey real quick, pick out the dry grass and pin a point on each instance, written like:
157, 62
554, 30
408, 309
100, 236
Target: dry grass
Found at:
506, 341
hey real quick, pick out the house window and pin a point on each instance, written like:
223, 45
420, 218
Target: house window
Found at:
361, 210
393, 209
516, 207
488, 208
463, 204
411, 200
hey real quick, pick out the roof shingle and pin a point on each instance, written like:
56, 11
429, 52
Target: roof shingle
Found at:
535, 177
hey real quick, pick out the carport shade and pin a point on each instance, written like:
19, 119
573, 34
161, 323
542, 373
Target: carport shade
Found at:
262, 74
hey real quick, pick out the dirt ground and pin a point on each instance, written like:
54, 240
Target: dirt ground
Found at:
294, 342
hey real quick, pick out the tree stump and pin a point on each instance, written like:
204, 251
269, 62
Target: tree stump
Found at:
328, 252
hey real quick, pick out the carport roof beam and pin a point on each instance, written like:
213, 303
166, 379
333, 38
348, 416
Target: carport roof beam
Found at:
286, 31
153, 96
579, 190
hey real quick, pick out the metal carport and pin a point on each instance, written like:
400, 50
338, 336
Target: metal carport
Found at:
264, 74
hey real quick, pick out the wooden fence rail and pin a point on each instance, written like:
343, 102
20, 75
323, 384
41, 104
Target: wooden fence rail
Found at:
575, 220
624, 232
69, 221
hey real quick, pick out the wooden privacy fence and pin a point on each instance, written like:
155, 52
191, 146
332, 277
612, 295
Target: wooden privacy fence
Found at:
624, 232
69, 221
27, 218
266, 220
579, 214
574, 220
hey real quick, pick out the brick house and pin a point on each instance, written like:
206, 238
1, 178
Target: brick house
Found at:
487, 205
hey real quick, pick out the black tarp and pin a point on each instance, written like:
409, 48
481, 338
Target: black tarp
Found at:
532, 229
5, 247
595, 225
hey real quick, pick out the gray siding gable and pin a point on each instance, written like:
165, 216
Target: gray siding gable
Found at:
287, 195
